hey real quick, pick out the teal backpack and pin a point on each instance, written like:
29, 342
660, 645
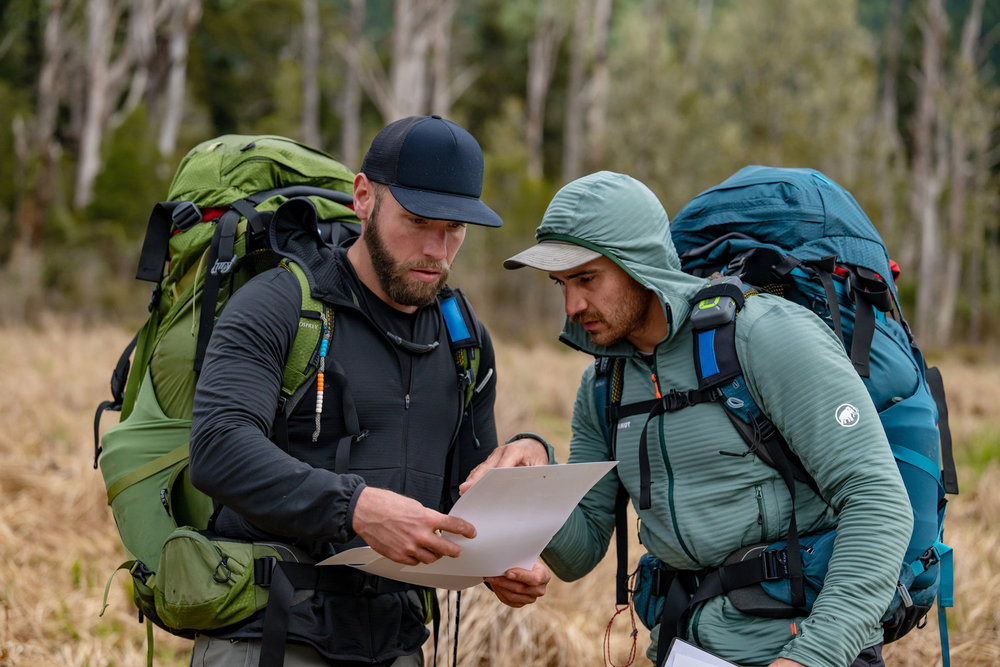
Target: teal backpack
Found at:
204, 243
796, 233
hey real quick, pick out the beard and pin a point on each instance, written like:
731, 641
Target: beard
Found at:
628, 314
393, 275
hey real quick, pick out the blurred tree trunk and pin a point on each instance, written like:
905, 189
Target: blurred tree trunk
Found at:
113, 53
408, 78
101, 26
963, 96
419, 74
184, 16
588, 85
446, 87
929, 167
550, 28
309, 130
597, 109
888, 151
350, 101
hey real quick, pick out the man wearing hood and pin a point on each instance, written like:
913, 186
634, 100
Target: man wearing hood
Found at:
605, 241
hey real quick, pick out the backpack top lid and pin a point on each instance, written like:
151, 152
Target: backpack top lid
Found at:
798, 212
220, 171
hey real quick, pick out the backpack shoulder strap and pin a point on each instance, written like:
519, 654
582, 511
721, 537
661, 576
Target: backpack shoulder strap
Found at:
608, 384
463, 339
315, 324
300, 365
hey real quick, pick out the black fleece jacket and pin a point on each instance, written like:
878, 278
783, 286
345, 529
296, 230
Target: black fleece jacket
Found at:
408, 403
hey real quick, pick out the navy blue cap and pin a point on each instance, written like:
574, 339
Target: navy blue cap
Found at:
433, 167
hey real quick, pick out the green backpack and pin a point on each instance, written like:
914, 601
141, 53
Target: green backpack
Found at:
202, 245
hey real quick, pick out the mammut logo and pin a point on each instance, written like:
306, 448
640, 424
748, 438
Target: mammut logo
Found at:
847, 415
624, 425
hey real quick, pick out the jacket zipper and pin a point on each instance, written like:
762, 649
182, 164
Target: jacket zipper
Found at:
670, 471
761, 514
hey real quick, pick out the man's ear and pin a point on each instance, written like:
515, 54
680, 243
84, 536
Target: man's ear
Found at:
364, 197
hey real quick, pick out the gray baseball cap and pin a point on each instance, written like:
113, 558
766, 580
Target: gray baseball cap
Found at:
552, 255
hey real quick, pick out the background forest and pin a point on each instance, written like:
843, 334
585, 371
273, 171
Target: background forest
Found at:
898, 100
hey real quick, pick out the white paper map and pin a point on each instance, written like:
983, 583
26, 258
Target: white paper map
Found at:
516, 511
683, 654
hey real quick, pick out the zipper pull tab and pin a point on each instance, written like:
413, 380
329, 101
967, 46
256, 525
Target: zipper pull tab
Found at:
406, 401
656, 384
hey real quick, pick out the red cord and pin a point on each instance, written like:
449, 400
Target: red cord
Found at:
608, 661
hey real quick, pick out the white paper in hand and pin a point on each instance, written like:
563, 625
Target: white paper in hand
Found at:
516, 511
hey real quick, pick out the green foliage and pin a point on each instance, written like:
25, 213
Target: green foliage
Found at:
980, 450
693, 98
233, 59
134, 178
736, 100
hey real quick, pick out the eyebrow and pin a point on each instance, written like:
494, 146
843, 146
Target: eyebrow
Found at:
576, 274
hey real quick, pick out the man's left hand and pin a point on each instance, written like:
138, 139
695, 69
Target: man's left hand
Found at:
523, 452
518, 587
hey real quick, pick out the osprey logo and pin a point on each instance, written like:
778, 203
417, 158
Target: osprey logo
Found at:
847, 415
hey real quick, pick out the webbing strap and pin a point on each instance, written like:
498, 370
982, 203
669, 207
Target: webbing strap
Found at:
220, 261
675, 606
149, 643
279, 602
621, 545
824, 271
673, 401
283, 578
917, 460
147, 470
864, 331
945, 598
156, 244
948, 473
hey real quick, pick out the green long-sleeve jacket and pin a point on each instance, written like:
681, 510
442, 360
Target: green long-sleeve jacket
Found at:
708, 502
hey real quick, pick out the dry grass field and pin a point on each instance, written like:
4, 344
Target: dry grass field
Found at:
58, 543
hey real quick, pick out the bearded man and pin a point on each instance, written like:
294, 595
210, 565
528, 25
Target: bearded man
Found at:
377, 458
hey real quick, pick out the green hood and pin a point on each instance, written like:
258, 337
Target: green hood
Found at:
622, 219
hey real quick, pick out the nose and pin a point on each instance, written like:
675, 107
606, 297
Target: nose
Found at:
575, 303
436, 244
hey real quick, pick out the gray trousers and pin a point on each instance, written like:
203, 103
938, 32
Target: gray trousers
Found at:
219, 652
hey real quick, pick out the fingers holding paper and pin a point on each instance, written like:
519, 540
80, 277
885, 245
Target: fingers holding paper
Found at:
519, 587
523, 452
403, 530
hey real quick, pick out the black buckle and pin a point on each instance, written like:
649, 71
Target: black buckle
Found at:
369, 585
676, 400
928, 558
140, 571
775, 565
466, 379
185, 214
263, 570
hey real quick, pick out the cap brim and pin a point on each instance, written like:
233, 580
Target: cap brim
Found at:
445, 206
552, 256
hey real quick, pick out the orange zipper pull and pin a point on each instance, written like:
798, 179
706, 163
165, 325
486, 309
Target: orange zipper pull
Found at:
656, 385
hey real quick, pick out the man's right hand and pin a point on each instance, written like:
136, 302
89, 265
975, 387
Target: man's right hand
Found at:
403, 530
